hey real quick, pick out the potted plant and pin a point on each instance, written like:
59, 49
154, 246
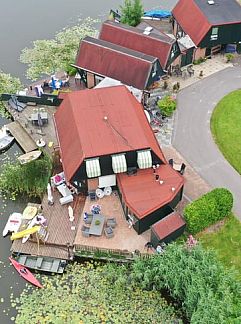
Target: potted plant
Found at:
97, 222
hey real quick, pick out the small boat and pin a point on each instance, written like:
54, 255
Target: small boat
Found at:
25, 273
13, 223
5, 138
28, 157
42, 263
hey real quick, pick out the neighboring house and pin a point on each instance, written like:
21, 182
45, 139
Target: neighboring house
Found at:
144, 39
105, 140
97, 59
211, 24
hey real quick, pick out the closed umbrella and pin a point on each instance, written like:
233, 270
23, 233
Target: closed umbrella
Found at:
40, 122
71, 214
50, 196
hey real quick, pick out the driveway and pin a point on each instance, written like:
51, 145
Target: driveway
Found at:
192, 136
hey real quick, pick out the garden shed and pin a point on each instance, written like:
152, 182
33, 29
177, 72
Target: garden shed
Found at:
167, 229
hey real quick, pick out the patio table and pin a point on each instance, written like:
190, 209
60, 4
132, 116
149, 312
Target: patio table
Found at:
97, 229
43, 116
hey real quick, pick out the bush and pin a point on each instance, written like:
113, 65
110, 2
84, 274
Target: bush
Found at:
30, 179
208, 209
199, 283
199, 61
229, 57
167, 106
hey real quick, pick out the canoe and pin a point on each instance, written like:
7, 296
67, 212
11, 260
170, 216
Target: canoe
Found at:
25, 273
13, 223
28, 157
5, 138
25, 234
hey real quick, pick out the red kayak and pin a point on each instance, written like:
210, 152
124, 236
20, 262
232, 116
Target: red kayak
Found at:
25, 273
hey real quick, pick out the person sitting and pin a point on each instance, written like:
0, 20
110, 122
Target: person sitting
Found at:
23, 270
41, 220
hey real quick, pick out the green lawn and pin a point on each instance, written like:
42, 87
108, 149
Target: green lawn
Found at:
226, 242
226, 128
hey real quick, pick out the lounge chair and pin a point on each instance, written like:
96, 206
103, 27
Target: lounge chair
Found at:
111, 222
109, 233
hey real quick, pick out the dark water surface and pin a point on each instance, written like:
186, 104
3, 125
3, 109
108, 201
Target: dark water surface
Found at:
21, 22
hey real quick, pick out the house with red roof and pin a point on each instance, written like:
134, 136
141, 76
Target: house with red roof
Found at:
144, 39
105, 139
97, 59
211, 24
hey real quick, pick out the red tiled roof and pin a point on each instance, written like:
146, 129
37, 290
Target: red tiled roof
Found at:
143, 195
84, 133
168, 225
191, 19
157, 45
107, 59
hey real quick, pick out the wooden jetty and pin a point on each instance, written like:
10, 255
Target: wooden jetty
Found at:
61, 231
22, 137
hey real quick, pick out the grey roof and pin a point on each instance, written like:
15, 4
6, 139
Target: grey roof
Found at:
222, 11
120, 49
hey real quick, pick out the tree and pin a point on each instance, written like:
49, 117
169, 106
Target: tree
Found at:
131, 12
50, 56
8, 84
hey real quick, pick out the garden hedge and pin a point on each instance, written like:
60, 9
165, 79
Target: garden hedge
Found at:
208, 209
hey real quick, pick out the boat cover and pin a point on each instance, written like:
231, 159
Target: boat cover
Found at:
158, 14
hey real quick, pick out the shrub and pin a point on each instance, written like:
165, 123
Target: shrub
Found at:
30, 179
206, 291
208, 209
229, 57
167, 106
199, 61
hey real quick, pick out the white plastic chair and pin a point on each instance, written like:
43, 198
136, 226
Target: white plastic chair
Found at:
107, 191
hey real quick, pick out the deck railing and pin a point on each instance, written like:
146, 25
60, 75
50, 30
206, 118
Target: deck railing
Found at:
105, 253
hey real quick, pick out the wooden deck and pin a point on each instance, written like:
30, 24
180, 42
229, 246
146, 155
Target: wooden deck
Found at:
46, 132
61, 231
22, 137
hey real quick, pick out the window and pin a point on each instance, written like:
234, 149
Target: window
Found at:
154, 69
214, 35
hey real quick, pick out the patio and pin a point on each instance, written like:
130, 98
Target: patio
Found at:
125, 238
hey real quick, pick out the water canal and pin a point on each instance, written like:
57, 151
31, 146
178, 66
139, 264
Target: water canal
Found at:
22, 22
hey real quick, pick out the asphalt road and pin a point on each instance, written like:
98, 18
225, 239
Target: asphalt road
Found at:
192, 136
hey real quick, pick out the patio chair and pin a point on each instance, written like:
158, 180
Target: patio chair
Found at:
109, 233
170, 162
183, 167
92, 195
190, 70
85, 231
88, 218
111, 222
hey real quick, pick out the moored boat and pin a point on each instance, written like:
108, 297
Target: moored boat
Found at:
28, 157
13, 223
5, 138
25, 273
42, 263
